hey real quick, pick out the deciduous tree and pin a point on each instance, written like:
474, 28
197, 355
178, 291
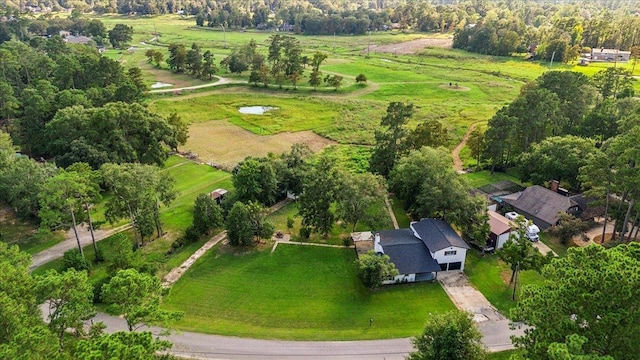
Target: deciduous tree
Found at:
357, 197
318, 194
375, 268
255, 180
518, 252
120, 35
449, 336
239, 230
69, 299
207, 214
137, 297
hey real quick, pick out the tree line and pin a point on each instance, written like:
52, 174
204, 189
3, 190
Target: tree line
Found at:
561, 33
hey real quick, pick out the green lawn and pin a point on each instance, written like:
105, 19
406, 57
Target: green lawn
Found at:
491, 276
398, 210
554, 244
484, 177
297, 293
24, 233
505, 355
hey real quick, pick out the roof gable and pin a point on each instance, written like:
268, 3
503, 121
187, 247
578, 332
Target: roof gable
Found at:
406, 252
437, 234
540, 202
499, 224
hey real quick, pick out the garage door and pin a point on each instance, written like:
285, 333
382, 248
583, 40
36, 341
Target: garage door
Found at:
455, 265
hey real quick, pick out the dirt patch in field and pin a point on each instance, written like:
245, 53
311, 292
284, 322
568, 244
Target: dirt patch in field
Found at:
454, 87
413, 46
226, 144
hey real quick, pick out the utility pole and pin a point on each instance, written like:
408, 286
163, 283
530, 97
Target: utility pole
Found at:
553, 55
224, 35
515, 281
369, 44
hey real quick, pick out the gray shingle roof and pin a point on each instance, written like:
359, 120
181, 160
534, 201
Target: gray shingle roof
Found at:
407, 252
437, 234
540, 202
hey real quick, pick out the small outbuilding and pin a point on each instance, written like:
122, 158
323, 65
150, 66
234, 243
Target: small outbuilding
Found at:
218, 195
501, 228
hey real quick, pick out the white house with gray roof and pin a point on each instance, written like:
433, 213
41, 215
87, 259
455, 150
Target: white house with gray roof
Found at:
420, 252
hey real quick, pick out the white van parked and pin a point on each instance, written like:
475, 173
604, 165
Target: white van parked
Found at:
532, 229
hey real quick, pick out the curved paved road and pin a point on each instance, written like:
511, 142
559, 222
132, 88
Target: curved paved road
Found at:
58, 250
205, 346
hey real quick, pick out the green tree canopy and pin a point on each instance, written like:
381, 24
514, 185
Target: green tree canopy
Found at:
374, 269
207, 214
120, 35
592, 293
556, 158
255, 180
449, 336
239, 230
137, 297
519, 253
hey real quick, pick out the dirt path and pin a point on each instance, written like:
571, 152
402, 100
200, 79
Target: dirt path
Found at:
393, 216
221, 81
455, 154
58, 250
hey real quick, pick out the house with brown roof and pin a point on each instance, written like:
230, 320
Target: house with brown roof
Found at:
501, 228
541, 205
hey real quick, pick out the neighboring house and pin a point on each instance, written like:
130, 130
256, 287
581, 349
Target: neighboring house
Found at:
218, 195
501, 228
83, 40
610, 55
420, 252
541, 205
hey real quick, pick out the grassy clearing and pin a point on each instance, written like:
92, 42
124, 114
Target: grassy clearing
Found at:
298, 292
484, 177
491, 276
398, 210
554, 244
505, 355
25, 234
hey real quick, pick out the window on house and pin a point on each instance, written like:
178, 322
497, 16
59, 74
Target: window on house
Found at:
450, 253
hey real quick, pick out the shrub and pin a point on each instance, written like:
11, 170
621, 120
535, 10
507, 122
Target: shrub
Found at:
74, 259
191, 235
305, 233
361, 78
290, 223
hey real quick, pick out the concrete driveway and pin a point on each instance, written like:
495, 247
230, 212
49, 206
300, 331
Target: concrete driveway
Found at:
495, 328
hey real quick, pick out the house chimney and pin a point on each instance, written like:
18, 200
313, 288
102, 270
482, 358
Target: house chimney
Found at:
555, 184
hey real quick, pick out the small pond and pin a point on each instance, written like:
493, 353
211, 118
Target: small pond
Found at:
256, 110
160, 84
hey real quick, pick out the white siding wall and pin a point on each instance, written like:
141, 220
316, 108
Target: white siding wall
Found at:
460, 256
501, 240
401, 278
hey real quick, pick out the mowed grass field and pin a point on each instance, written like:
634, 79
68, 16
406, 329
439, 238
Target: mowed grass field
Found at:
348, 116
297, 293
